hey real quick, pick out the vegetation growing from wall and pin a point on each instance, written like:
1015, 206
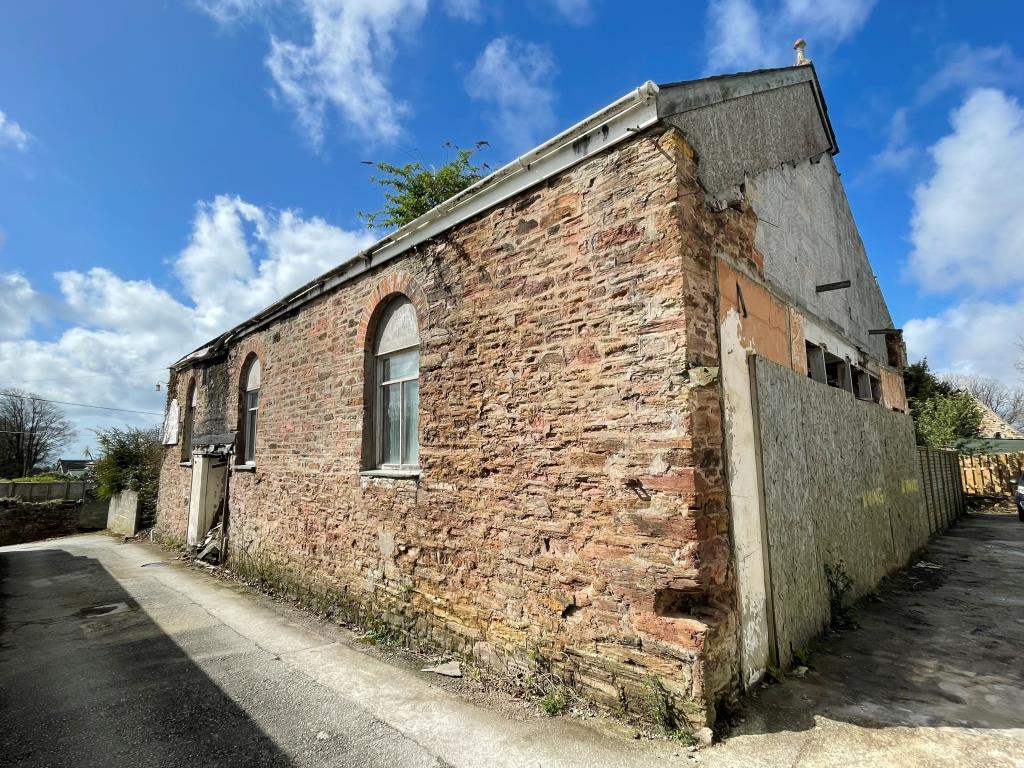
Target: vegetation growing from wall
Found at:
129, 461
943, 414
412, 189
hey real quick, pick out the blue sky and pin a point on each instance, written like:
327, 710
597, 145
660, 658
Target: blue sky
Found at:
169, 167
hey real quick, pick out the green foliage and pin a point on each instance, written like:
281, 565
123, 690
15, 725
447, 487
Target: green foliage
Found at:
840, 585
554, 702
942, 414
412, 189
658, 704
945, 419
129, 460
47, 478
383, 636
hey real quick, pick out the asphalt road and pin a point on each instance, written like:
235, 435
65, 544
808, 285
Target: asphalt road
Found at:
116, 655
87, 678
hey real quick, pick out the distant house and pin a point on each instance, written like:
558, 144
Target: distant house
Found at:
994, 427
73, 467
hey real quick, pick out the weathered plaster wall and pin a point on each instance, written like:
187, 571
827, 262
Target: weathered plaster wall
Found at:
741, 133
572, 499
808, 237
841, 484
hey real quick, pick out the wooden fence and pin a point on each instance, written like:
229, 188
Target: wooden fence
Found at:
991, 474
942, 487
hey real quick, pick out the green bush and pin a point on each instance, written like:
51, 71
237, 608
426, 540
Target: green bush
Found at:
129, 461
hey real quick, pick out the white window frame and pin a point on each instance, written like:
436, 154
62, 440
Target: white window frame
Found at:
380, 384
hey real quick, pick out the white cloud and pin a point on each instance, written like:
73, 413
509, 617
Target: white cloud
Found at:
344, 66
19, 305
218, 270
516, 77
835, 20
737, 31
467, 10
974, 336
577, 12
239, 259
967, 235
967, 67
230, 11
967, 228
734, 36
11, 134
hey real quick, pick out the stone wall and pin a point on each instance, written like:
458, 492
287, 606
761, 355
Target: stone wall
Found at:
24, 521
571, 504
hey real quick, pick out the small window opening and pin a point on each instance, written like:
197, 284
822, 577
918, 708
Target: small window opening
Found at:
815, 362
188, 428
861, 384
397, 395
250, 410
837, 373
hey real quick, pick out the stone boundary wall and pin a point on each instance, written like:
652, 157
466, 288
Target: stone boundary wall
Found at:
842, 488
25, 521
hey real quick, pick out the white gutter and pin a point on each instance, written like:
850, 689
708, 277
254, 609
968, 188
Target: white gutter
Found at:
618, 121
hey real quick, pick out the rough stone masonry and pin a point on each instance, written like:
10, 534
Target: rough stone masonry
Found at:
571, 499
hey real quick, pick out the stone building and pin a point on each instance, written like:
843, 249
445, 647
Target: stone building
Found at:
531, 425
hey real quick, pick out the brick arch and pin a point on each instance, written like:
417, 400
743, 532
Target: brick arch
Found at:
398, 283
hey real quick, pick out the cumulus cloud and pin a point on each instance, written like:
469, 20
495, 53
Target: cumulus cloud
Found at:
967, 236
122, 334
737, 31
19, 305
12, 135
967, 228
975, 336
515, 77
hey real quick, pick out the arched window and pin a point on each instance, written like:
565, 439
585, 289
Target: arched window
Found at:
190, 420
250, 408
397, 392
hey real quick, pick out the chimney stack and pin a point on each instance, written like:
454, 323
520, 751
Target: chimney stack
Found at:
799, 46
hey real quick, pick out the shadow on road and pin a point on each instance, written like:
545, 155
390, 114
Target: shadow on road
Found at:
940, 646
88, 679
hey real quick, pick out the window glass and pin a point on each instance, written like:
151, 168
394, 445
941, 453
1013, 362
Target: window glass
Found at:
252, 400
391, 426
410, 422
401, 366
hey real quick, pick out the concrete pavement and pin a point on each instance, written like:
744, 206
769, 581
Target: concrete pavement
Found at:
116, 654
